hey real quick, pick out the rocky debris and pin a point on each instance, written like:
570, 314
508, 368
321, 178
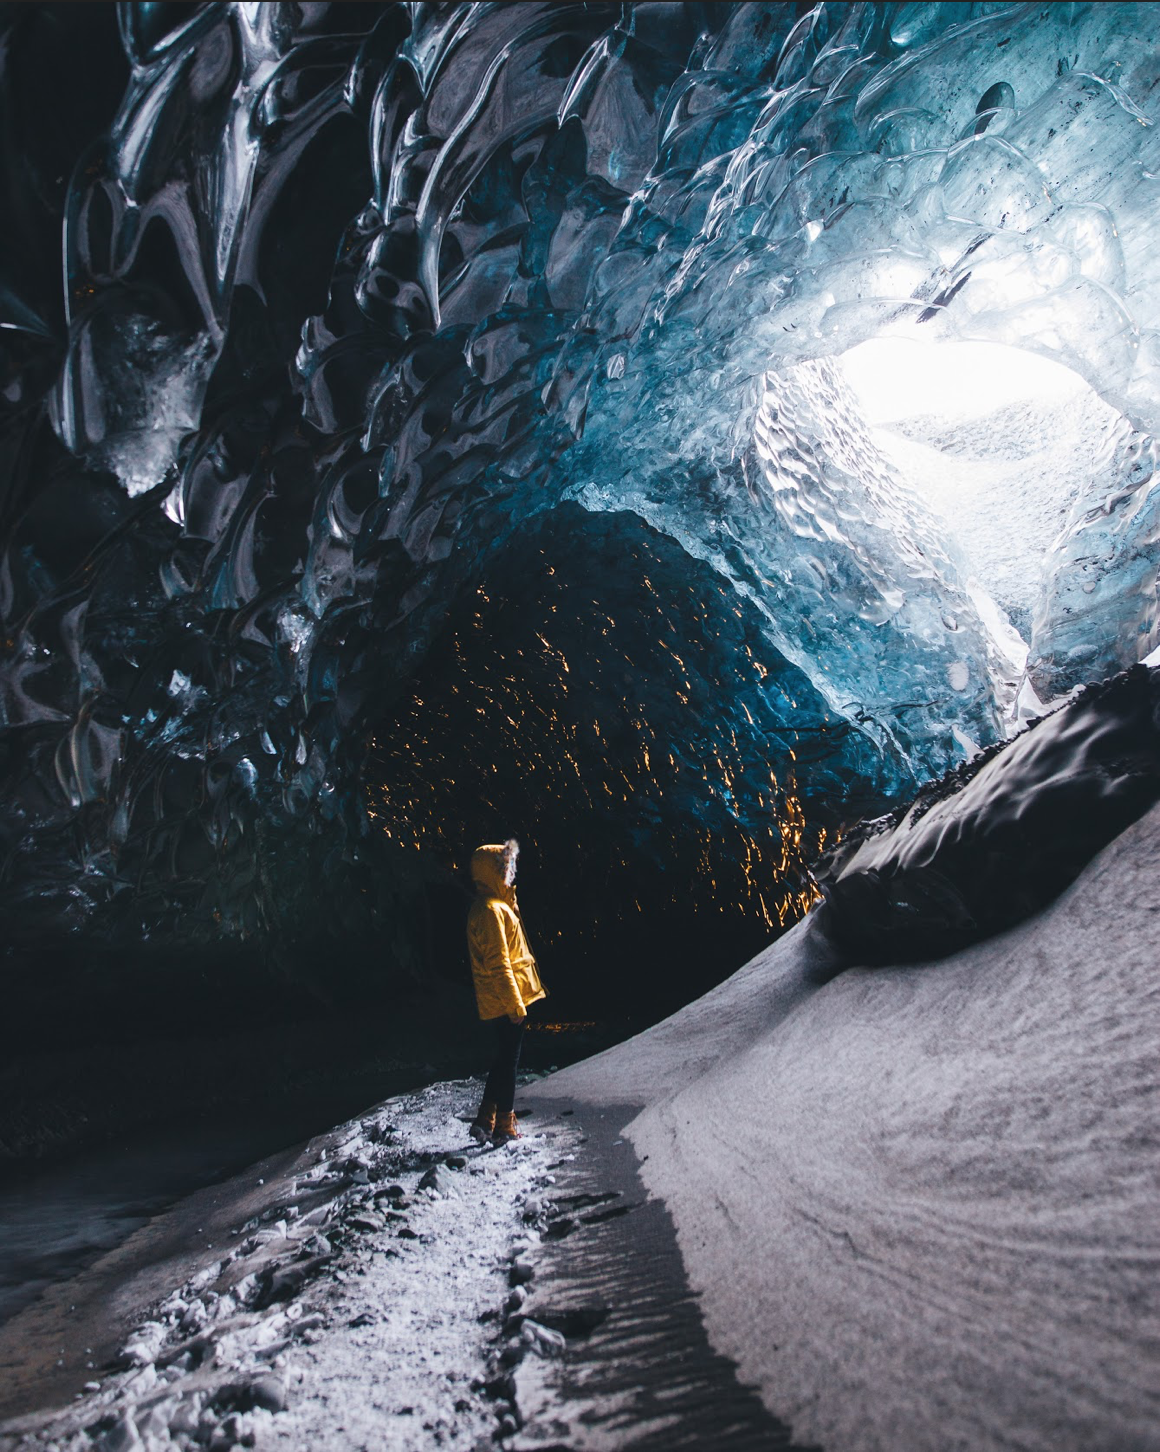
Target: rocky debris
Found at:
439, 1181
122, 1436
222, 1363
143, 1345
366, 1220
267, 1392
284, 1282
541, 1339
521, 1272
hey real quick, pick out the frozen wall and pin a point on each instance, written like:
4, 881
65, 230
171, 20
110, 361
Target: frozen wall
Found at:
353, 293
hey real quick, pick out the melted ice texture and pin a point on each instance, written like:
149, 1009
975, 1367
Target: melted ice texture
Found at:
612, 257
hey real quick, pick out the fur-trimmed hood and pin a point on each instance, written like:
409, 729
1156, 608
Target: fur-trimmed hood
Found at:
493, 868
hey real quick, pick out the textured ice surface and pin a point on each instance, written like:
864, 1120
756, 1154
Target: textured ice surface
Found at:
353, 293
1028, 475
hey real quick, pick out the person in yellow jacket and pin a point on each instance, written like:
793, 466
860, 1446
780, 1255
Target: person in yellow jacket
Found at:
506, 981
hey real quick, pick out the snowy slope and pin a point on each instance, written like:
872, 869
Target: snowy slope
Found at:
919, 1204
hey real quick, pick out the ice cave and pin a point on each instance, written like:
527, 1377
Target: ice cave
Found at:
714, 445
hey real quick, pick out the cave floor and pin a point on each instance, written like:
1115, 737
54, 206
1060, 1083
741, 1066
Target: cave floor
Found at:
359, 1293
638, 1370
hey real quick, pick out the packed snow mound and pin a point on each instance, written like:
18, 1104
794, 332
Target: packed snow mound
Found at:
963, 865
918, 1203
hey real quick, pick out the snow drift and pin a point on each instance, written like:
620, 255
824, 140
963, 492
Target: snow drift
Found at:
965, 863
918, 1203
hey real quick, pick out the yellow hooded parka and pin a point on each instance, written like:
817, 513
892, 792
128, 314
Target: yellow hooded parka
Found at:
502, 965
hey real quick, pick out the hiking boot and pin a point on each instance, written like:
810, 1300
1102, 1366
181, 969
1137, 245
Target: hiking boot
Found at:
484, 1125
505, 1128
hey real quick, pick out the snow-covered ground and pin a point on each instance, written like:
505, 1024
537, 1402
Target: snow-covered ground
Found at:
364, 1308
920, 1205
916, 1207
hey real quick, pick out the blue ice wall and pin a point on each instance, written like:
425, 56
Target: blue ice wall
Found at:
353, 294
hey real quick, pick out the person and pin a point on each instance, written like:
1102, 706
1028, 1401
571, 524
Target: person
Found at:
506, 982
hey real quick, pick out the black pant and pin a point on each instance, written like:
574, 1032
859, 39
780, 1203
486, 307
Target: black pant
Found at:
500, 1088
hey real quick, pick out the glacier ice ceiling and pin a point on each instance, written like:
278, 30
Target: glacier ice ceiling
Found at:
429, 421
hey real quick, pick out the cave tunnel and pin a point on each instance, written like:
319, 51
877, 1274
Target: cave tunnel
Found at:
666, 433
597, 688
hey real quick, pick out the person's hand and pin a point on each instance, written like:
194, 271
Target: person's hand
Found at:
516, 1017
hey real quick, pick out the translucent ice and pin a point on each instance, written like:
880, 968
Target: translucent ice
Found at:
354, 294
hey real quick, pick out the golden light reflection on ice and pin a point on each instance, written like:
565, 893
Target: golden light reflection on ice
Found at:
489, 726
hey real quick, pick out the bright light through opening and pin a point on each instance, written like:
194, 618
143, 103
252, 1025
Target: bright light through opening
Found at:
897, 378
998, 442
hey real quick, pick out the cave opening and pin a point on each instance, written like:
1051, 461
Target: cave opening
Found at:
617, 703
998, 442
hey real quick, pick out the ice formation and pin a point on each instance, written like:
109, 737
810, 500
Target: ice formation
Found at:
358, 298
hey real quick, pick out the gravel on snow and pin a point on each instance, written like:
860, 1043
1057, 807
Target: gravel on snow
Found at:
363, 1309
